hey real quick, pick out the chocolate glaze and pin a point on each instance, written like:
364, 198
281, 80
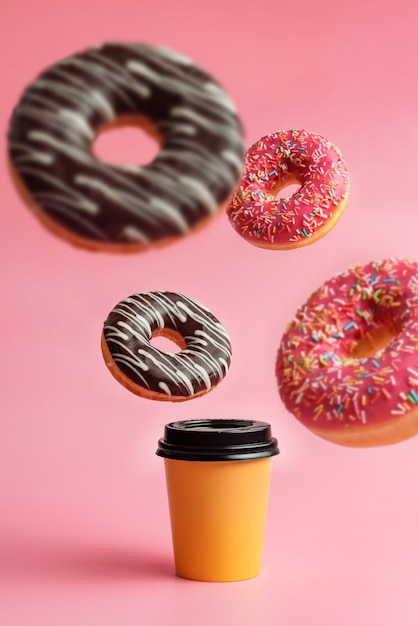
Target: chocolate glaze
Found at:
200, 366
58, 116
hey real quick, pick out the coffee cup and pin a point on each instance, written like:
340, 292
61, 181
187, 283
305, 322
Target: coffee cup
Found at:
217, 475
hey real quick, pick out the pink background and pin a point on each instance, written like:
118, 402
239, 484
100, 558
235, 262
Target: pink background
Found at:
84, 529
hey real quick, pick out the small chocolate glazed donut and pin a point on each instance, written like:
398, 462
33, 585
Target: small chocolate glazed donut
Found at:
201, 364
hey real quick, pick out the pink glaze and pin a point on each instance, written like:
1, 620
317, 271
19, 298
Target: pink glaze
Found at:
320, 383
275, 161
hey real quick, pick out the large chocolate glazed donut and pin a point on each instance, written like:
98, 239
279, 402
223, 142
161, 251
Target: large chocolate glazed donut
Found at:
118, 208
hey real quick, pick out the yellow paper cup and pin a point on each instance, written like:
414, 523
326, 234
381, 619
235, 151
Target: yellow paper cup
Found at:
218, 475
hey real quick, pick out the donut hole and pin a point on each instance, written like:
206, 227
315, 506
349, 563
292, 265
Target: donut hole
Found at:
127, 141
168, 341
286, 187
375, 339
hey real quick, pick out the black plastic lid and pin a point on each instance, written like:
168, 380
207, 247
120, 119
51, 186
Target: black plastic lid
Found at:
217, 440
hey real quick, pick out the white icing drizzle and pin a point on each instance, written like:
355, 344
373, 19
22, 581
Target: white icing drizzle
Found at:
201, 365
58, 116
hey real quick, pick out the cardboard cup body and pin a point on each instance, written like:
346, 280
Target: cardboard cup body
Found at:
218, 512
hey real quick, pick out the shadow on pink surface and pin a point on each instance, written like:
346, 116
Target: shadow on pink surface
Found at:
82, 563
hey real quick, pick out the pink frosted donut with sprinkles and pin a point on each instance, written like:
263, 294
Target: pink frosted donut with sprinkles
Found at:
347, 366
276, 161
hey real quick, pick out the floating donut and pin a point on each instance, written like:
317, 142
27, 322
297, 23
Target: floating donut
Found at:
201, 364
276, 161
347, 366
121, 208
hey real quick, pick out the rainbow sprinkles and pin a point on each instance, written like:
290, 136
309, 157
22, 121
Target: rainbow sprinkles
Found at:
276, 161
349, 358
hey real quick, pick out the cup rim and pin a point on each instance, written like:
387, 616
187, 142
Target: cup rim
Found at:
217, 440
